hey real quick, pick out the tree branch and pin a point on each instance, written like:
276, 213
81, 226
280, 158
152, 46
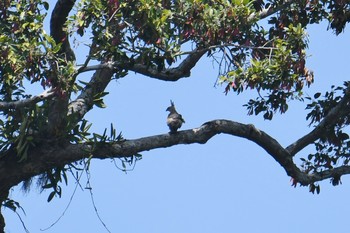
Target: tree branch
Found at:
5, 105
331, 173
57, 26
107, 65
85, 101
171, 74
43, 158
269, 11
340, 110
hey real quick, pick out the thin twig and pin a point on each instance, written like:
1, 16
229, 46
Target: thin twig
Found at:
22, 222
89, 187
68, 205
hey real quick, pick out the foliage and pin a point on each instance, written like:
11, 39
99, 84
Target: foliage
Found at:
333, 147
271, 60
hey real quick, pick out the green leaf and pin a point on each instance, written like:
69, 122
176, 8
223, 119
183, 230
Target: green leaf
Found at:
47, 186
3, 38
100, 104
51, 196
318, 94
82, 82
98, 99
11, 204
318, 189
46, 5
56, 48
310, 156
138, 156
65, 178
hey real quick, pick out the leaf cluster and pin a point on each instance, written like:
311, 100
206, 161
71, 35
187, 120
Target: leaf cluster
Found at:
26, 49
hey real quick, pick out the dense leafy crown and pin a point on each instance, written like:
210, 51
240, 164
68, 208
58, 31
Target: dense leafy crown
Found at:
258, 45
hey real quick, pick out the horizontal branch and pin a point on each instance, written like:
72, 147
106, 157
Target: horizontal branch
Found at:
6, 105
45, 157
170, 74
331, 173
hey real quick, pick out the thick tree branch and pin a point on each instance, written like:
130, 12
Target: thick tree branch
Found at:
43, 158
57, 26
339, 111
171, 74
4, 105
85, 101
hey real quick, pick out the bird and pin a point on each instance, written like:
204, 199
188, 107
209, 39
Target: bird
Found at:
174, 119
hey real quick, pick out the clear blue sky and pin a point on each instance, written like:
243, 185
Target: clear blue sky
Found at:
226, 185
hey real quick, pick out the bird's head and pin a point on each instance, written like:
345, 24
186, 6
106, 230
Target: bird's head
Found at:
171, 108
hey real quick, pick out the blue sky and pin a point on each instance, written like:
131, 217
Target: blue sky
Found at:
226, 185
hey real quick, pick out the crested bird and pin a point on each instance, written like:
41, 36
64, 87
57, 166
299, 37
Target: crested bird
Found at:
174, 119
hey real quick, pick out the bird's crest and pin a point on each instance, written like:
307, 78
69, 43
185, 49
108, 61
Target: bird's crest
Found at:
171, 108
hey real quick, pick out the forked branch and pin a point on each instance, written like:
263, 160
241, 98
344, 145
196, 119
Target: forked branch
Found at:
339, 111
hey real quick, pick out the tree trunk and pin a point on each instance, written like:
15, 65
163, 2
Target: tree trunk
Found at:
3, 197
2, 223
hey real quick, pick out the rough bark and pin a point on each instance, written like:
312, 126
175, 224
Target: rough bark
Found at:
84, 102
57, 26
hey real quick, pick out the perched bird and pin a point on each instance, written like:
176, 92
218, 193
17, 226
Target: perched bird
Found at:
174, 120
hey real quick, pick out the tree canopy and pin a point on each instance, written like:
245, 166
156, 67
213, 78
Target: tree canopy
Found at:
259, 46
